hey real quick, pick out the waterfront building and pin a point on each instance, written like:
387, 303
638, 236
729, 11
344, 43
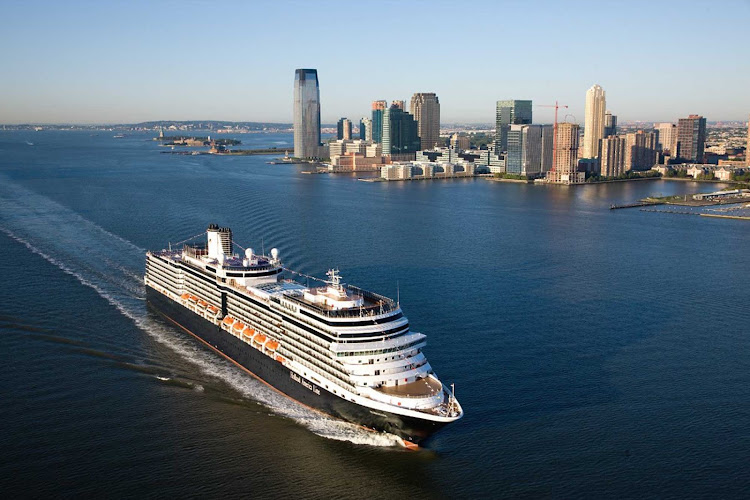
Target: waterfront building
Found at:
593, 131
374, 149
306, 114
460, 142
723, 174
529, 150
425, 108
378, 109
365, 129
344, 129
507, 113
396, 172
640, 151
612, 159
610, 124
667, 137
691, 138
566, 156
697, 171
399, 132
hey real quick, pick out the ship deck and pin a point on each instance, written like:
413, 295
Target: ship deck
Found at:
418, 389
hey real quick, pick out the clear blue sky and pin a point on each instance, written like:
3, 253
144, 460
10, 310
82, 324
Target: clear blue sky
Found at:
102, 61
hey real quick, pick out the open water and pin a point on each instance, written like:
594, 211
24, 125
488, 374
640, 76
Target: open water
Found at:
597, 353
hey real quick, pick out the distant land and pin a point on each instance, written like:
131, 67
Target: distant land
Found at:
222, 126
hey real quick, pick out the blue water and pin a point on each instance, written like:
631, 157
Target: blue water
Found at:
597, 353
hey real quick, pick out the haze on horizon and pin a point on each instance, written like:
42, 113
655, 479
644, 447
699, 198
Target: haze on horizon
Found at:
96, 62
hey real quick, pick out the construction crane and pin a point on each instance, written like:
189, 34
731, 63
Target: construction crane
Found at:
554, 131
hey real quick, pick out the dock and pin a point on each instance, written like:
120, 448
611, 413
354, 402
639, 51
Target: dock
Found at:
636, 204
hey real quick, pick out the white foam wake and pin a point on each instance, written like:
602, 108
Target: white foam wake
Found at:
112, 266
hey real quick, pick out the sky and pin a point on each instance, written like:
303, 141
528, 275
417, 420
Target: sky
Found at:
126, 62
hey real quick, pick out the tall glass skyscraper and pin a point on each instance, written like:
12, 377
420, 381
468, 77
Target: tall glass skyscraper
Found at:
306, 113
510, 112
399, 132
378, 109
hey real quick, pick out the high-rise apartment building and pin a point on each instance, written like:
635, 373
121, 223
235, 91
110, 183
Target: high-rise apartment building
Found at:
667, 139
344, 129
566, 156
691, 138
610, 124
640, 150
306, 114
593, 132
747, 148
529, 149
507, 113
398, 105
612, 159
365, 129
425, 108
460, 142
399, 132
378, 109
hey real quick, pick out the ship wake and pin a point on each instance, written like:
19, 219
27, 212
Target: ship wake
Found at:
113, 266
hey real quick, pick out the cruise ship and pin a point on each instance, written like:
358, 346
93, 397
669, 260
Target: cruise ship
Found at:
336, 348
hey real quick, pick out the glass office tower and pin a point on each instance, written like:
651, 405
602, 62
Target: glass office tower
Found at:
306, 113
510, 112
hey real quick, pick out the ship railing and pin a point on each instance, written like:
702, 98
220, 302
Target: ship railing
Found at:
355, 312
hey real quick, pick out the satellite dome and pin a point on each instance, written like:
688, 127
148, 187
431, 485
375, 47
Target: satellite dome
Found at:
249, 253
275, 253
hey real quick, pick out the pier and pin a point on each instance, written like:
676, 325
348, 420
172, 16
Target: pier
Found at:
636, 204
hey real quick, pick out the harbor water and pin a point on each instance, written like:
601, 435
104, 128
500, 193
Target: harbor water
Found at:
597, 353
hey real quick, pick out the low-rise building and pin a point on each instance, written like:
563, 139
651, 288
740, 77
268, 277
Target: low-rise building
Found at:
696, 171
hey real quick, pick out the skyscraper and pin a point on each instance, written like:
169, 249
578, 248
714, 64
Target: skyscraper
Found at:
378, 109
344, 129
640, 150
667, 137
612, 160
306, 113
365, 129
399, 131
691, 138
529, 149
593, 132
507, 113
610, 124
747, 148
426, 110
566, 156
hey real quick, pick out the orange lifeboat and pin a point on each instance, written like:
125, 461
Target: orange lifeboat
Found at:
280, 359
202, 302
239, 326
213, 309
185, 296
193, 298
260, 338
228, 321
272, 345
249, 332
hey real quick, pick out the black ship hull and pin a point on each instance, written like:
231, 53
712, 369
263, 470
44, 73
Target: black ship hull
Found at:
281, 378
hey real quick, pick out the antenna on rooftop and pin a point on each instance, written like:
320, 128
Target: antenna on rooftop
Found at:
398, 294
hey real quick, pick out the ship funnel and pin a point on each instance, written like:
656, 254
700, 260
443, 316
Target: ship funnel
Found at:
219, 241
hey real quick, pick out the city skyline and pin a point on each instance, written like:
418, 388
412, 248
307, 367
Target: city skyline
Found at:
119, 63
